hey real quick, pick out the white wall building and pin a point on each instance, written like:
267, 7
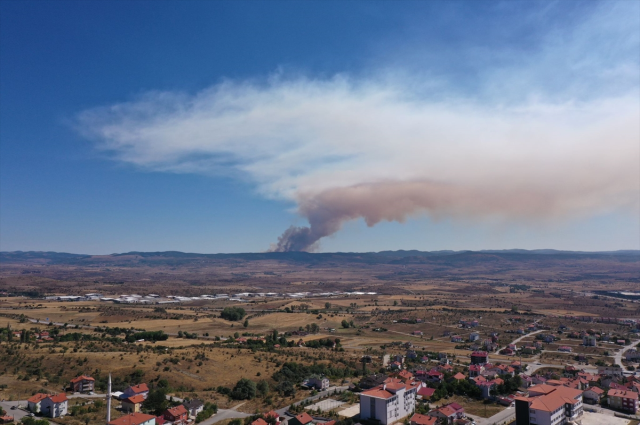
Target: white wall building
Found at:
388, 403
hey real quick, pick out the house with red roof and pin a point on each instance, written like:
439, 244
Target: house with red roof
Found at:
132, 404
593, 395
33, 403
134, 419
82, 384
459, 377
140, 389
418, 419
448, 413
54, 406
177, 415
425, 393
302, 419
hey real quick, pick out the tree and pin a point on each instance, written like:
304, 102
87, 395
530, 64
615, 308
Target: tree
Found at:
156, 402
233, 313
327, 306
245, 389
344, 323
263, 388
246, 323
236, 422
286, 388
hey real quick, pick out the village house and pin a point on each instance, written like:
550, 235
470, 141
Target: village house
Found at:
82, 384
449, 412
456, 338
301, 419
177, 415
593, 395
425, 393
134, 419
54, 406
193, 407
141, 389
132, 404
33, 403
474, 336
418, 419
318, 382
623, 400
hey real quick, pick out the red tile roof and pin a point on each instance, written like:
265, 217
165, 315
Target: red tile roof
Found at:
82, 378
423, 419
132, 419
139, 388
58, 398
426, 391
259, 421
176, 411
135, 399
623, 394
38, 398
377, 392
304, 418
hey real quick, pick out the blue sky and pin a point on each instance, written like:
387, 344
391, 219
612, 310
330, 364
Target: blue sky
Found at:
214, 126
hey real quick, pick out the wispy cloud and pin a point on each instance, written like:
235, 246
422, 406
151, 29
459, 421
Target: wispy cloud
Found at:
382, 148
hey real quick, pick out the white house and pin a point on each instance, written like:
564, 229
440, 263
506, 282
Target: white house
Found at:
390, 402
34, 403
318, 382
54, 406
549, 406
194, 407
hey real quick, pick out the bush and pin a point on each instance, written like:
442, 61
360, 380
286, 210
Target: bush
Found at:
233, 313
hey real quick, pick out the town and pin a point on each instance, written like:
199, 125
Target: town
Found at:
336, 358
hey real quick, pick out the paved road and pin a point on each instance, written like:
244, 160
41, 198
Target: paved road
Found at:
515, 341
618, 357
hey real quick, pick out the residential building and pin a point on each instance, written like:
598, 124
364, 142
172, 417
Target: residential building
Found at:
388, 403
318, 382
82, 384
132, 404
623, 400
592, 395
549, 405
140, 389
193, 407
134, 419
301, 419
474, 336
632, 355
177, 415
589, 341
54, 406
33, 404
418, 419
565, 348
448, 413
479, 357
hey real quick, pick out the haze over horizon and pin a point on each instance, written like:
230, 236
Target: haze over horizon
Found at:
245, 127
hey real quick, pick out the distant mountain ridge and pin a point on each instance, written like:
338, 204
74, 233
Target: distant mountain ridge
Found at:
399, 256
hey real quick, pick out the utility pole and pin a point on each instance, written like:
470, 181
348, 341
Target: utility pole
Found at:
109, 399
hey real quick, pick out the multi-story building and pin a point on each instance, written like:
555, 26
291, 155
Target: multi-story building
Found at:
82, 384
549, 405
623, 400
589, 341
54, 406
390, 402
479, 357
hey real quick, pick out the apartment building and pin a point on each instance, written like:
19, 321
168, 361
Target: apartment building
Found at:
389, 402
549, 405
